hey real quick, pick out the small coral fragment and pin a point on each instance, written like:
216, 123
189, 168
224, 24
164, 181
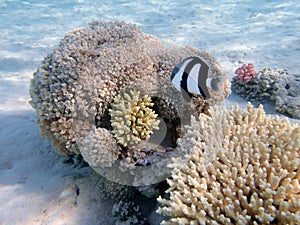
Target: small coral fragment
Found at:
132, 118
262, 87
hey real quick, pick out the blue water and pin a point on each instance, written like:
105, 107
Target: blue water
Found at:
266, 33
165, 19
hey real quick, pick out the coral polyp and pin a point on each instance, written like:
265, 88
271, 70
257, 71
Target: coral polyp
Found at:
132, 118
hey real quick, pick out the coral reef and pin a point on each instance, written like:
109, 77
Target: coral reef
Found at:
243, 168
100, 59
272, 84
132, 118
246, 72
128, 213
263, 86
74, 88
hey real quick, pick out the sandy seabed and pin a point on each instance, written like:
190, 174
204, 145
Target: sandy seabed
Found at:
36, 187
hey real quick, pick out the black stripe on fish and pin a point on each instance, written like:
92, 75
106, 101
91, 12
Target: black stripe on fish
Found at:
189, 74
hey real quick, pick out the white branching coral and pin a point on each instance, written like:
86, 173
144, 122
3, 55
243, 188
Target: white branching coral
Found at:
253, 176
132, 118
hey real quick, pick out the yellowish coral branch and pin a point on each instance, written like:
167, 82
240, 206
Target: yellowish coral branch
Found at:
132, 118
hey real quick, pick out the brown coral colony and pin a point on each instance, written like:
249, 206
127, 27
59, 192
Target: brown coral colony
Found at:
85, 78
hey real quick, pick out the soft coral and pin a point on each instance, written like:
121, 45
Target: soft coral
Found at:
246, 72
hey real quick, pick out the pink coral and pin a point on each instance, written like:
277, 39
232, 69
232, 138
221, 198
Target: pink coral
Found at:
246, 72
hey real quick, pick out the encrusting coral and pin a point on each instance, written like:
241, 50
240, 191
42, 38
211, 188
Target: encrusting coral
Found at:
132, 118
101, 59
243, 168
271, 84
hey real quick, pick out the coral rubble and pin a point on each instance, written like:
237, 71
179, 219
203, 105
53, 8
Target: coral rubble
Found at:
243, 168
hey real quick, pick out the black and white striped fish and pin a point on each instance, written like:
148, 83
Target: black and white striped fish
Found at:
191, 77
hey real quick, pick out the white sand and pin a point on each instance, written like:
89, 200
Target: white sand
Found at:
36, 187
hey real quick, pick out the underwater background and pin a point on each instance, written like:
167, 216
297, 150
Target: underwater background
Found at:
263, 32
36, 186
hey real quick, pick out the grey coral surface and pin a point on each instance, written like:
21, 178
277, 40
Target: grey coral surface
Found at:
287, 100
113, 191
272, 84
128, 213
74, 87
